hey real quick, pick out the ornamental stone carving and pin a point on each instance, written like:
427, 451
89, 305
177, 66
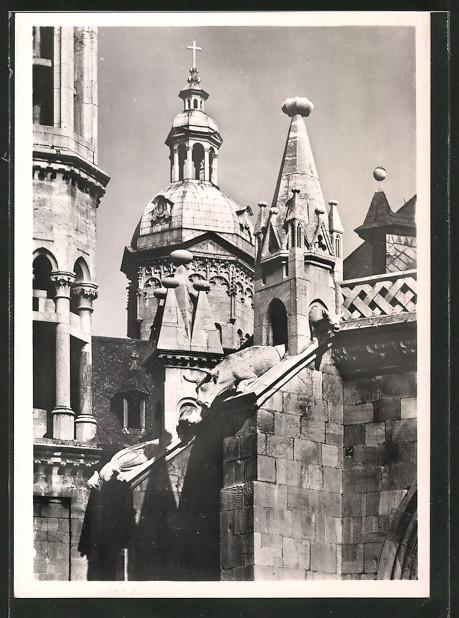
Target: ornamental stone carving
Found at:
62, 282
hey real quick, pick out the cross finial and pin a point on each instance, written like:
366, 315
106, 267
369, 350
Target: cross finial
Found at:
194, 49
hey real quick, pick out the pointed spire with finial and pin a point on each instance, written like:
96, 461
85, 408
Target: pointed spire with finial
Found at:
298, 170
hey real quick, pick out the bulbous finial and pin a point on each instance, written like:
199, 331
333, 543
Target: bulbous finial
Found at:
297, 106
181, 256
379, 173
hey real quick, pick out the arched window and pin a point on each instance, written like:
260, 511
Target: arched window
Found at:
195, 104
182, 159
42, 285
278, 328
198, 161
81, 271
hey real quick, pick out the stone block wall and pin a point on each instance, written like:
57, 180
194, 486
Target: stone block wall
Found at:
60, 498
176, 534
281, 502
379, 464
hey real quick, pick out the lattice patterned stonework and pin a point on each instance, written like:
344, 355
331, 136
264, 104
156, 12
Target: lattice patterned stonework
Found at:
387, 294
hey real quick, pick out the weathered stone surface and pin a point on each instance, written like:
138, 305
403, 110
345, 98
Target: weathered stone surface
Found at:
334, 433
372, 553
295, 554
324, 557
352, 530
265, 420
288, 472
375, 433
287, 425
354, 434
362, 390
279, 446
303, 525
354, 505
332, 387
332, 480
311, 477
306, 451
269, 495
409, 407
389, 501
387, 409
330, 455
302, 499
352, 559
404, 430
362, 455
358, 413
266, 470
361, 480
313, 430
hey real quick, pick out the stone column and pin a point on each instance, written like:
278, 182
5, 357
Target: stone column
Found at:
175, 165
67, 78
206, 164
63, 416
85, 423
189, 175
214, 169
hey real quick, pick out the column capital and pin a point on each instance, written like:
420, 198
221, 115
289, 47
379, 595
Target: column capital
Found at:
86, 291
62, 282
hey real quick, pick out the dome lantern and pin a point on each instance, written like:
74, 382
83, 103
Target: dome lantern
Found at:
194, 138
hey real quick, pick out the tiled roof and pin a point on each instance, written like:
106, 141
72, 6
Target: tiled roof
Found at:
198, 205
381, 216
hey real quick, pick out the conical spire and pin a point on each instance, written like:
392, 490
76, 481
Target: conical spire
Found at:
298, 170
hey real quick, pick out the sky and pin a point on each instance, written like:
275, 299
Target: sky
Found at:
361, 81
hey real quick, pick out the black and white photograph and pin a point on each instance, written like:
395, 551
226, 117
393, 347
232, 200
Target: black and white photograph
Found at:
228, 355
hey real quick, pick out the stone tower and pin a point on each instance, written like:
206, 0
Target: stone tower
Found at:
192, 213
67, 187
296, 248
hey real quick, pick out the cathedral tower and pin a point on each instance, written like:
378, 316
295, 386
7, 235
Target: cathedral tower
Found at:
296, 252
193, 213
67, 187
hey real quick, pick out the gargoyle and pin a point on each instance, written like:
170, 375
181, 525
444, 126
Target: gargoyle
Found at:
235, 372
321, 324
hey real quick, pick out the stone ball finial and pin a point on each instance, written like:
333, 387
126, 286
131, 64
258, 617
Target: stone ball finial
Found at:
201, 286
297, 106
160, 293
181, 256
379, 173
170, 282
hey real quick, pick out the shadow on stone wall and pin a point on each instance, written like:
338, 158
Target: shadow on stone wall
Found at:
177, 532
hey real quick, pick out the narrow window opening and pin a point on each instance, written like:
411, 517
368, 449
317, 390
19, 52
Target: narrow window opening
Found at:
182, 159
198, 161
195, 104
277, 315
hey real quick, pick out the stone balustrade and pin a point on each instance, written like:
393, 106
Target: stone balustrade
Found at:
379, 295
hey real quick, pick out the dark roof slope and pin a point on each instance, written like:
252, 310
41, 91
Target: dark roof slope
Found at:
112, 360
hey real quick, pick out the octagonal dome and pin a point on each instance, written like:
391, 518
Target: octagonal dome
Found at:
194, 118
186, 209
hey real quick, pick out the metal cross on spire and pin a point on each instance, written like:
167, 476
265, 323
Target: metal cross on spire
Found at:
194, 48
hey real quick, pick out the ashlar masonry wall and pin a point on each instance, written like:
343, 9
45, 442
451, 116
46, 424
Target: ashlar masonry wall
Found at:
281, 504
380, 441
313, 479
